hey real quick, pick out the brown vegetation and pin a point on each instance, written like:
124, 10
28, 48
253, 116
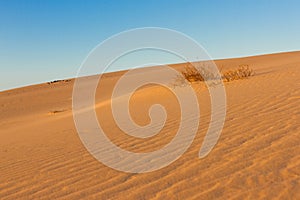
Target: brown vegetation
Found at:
192, 74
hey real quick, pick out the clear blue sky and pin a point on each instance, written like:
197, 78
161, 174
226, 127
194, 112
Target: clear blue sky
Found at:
46, 40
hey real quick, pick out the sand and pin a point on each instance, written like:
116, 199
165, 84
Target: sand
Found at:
256, 157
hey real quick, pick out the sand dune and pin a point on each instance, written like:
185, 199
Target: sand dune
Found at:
257, 156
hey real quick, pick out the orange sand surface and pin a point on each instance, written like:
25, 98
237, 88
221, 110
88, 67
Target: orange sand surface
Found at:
256, 157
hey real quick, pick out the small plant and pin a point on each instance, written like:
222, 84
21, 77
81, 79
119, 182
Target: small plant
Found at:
199, 73
191, 74
243, 71
58, 81
202, 73
56, 111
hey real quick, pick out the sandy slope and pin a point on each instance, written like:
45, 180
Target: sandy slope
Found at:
257, 156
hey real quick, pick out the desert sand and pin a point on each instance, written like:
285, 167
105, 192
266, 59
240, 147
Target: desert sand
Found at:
256, 157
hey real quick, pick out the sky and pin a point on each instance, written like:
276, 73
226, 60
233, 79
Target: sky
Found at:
44, 40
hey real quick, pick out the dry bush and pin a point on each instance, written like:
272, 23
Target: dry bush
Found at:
243, 71
201, 74
56, 111
191, 74
58, 81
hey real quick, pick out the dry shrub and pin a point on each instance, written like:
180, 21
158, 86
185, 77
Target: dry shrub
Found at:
58, 81
56, 111
200, 74
243, 71
192, 74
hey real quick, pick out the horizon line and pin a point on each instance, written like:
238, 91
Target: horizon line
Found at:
213, 59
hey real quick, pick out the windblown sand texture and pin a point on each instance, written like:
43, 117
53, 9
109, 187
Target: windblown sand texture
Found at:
257, 156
